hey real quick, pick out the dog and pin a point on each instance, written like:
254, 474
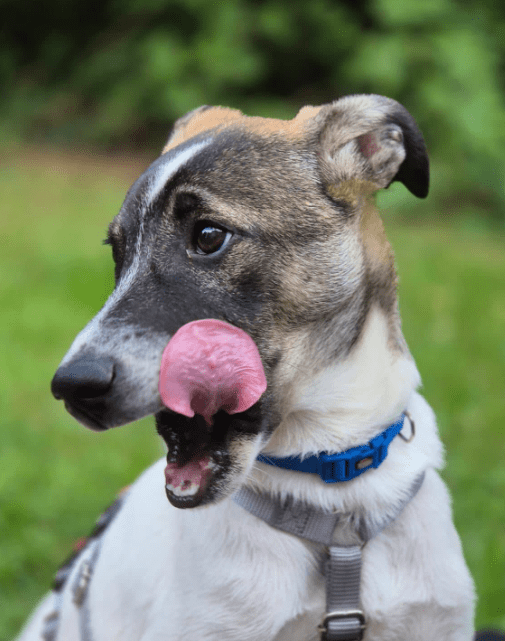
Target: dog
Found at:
269, 226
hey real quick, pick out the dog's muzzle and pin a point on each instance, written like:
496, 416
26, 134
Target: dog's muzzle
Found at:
203, 387
103, 392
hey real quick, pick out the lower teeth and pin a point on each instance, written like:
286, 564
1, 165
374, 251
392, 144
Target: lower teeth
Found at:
190, 490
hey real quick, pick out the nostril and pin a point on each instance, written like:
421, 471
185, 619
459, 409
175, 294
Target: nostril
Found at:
85, 377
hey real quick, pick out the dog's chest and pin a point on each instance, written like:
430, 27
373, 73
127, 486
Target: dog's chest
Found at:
253, 579
216, 572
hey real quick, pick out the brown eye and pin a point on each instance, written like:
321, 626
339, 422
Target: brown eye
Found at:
209, 238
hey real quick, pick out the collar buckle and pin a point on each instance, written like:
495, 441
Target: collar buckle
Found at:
347, 465
351, 630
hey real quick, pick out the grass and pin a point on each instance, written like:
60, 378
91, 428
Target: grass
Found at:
56, 477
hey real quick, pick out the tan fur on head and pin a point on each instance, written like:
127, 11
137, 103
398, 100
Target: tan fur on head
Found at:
353, 191
215, 118
359, 194
202, 119
364, 137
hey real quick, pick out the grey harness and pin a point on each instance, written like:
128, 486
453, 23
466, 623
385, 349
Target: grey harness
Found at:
344, 535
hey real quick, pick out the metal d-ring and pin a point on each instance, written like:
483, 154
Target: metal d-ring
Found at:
412, 428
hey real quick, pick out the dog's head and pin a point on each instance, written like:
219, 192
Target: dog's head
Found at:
267, 225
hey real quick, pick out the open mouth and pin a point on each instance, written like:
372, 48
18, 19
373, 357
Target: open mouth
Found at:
198, 458
198, 454
211, 380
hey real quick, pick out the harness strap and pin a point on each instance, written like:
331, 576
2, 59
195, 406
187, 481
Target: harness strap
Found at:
344, 620
80, 590
344, 535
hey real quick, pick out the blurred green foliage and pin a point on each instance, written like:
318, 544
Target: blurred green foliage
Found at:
118, 73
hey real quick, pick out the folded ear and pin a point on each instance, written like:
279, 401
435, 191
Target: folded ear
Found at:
373, 139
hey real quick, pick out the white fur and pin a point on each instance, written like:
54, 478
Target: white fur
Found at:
218, 573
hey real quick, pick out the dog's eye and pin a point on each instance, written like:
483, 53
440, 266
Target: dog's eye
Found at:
209, 237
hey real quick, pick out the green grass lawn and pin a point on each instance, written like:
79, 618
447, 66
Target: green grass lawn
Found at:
56, 476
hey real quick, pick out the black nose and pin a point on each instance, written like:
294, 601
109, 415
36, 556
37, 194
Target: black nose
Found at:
84, 377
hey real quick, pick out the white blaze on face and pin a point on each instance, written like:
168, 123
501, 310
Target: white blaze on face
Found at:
91, 333
166, 171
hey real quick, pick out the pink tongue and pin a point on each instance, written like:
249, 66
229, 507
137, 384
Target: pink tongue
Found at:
208, 366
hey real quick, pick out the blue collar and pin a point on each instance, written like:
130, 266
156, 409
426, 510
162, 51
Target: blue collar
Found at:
346, 465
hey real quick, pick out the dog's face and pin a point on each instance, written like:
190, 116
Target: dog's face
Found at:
267, 225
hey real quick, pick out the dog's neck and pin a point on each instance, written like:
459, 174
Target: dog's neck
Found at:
341, 407
350, 402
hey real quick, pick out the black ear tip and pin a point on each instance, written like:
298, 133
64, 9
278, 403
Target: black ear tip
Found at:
423, 190
415, 175
414, 171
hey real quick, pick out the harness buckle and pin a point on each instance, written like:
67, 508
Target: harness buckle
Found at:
82, 582
344, 614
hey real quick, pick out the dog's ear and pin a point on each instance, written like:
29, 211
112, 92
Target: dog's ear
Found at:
201, 119
371, 139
